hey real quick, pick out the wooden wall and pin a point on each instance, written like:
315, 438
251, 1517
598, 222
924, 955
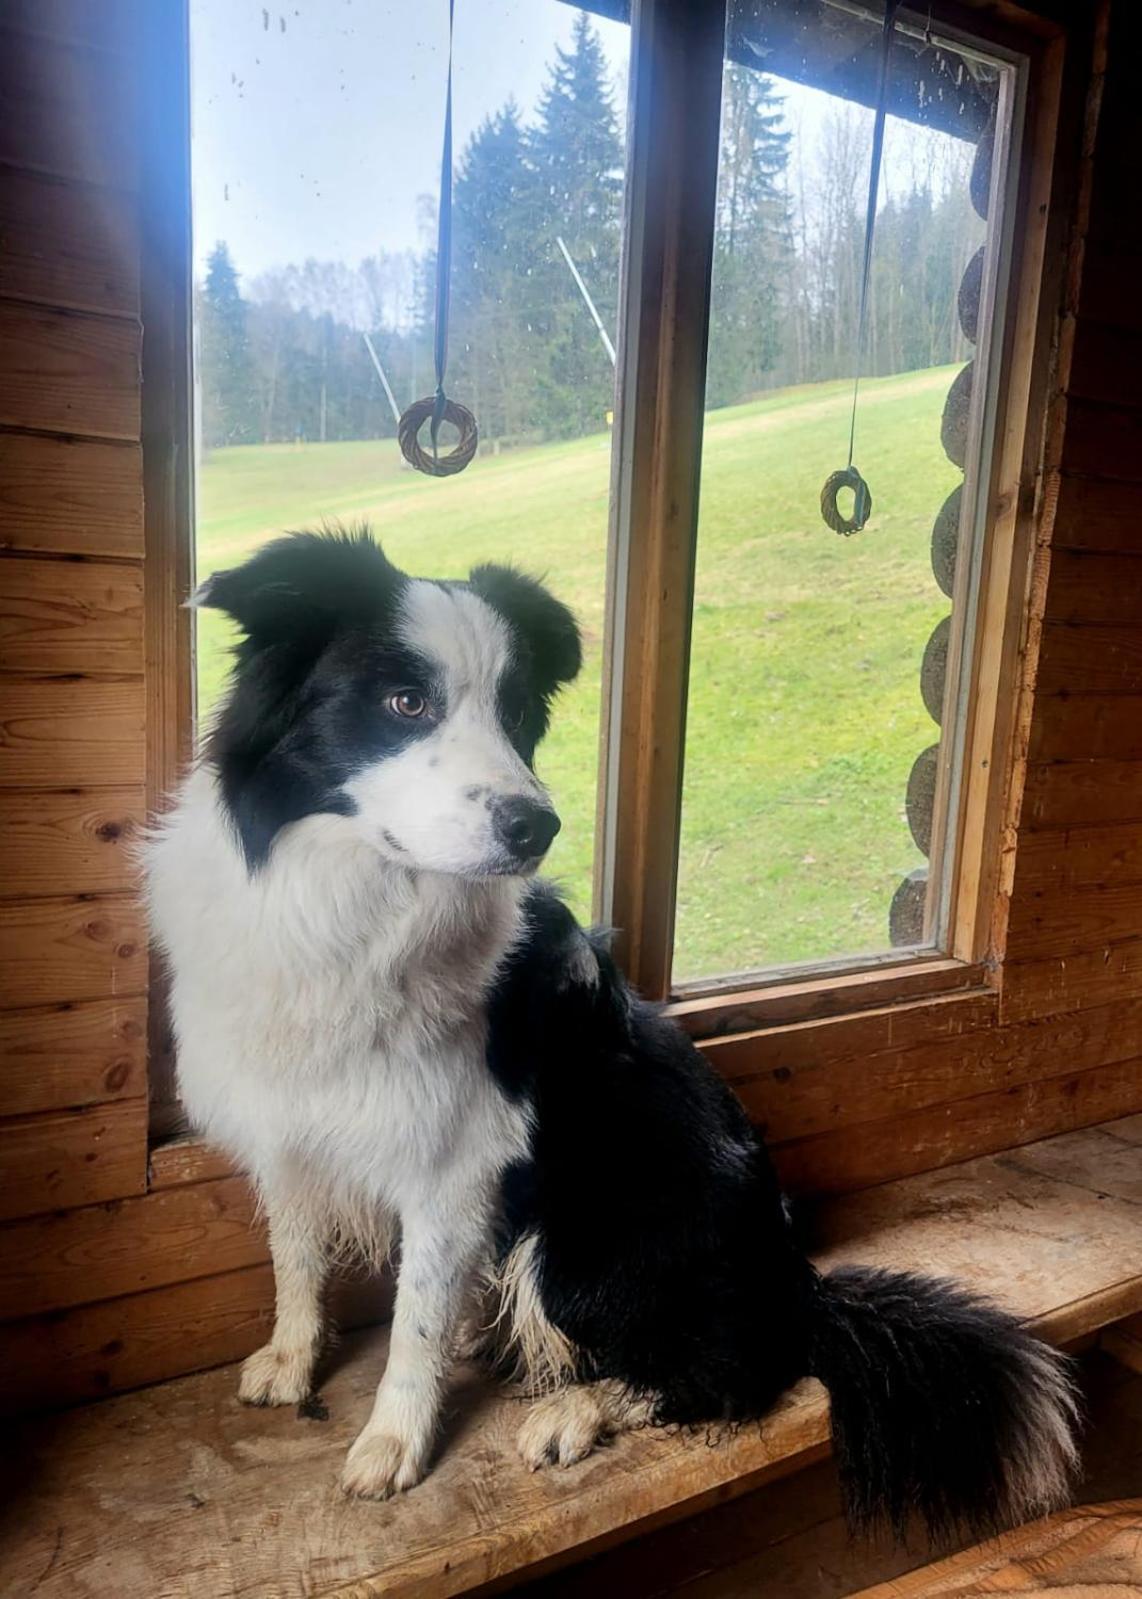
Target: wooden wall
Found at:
116, 1271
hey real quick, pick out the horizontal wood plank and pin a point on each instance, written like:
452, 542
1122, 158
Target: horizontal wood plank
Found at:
131, 1246
71, 616
1053, 1238
68, 109
71, 949
1109, 291
69, 841
1077, 980
63, 372
941, 1135
1079, 857
76, 1157
1105, 365
1071, 793
1087, 727
1066, 920
62, 496
794, 1095
1104, 440
90, 1350
124, 1343
843, 1040
1090, 659
54, 1057
69, 244
1093, 515
71, 733
1092, 586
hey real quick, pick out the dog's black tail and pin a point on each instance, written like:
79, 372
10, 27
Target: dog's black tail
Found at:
942, 1405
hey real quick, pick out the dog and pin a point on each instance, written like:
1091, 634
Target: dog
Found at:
393, 1025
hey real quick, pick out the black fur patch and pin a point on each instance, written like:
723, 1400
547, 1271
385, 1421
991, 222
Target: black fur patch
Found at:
666, 1255
306, 709
547, 651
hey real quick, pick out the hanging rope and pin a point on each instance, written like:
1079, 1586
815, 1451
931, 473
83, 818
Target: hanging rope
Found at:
849, 477
439, 407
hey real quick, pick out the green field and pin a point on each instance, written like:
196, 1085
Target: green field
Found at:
805, 713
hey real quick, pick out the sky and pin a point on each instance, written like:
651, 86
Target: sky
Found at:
316, 127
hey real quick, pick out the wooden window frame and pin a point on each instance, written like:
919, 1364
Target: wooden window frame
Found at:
673, 141
676, 66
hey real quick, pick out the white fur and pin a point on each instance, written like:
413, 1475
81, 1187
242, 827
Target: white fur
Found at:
329, 1015
431, 806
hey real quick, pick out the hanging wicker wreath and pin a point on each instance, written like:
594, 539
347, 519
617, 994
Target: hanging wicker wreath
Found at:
408, 430
847, 478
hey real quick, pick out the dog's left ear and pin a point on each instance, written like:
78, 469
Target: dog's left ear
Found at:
545, 625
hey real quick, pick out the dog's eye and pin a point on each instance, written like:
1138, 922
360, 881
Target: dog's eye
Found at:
408, 702
514, 717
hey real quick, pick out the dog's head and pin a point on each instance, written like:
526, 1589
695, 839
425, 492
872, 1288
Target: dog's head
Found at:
411, 707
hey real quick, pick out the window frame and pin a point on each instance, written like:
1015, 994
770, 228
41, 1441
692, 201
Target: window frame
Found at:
674, 116
675, 97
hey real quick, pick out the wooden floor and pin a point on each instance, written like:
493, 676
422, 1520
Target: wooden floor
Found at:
179, 1492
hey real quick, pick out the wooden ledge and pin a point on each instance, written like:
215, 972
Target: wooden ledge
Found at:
178, 1490
1093, 1551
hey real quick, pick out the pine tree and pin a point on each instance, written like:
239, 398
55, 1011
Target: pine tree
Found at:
494, 349
576, 157
752, 237
230, 407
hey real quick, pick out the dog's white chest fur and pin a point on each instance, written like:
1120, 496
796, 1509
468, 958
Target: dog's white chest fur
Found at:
329, 1009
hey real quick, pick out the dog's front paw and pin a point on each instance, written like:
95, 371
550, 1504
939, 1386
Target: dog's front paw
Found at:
380, 1464
273, 1376
562, 1428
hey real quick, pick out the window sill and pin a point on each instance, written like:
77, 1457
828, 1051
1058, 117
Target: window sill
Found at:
786, 997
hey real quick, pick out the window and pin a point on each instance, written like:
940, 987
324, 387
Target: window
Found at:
315, 158
792, 726
818, 664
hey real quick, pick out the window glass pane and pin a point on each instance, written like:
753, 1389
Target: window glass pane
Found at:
316, 153
813, 687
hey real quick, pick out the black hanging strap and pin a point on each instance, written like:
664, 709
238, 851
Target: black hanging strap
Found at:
440, 408
850, 478
444, 248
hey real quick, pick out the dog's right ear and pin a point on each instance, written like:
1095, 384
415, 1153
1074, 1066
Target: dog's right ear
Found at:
299, 589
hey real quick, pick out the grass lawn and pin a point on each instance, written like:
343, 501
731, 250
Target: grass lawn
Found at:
805, 711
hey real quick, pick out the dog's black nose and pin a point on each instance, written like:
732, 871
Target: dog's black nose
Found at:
525, 827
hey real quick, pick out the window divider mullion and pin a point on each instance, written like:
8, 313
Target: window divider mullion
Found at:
677, 50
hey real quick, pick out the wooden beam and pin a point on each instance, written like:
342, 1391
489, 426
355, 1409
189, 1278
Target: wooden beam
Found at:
70, 949
67, 109
944, 1134
54, 1057
1076, 793
672, 168
69, 841
62, 496
83, 618
64, 372
71, 732
69, 244
75, 1157
84, 1256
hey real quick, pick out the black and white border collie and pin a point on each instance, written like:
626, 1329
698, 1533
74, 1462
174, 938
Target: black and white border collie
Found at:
390, 1024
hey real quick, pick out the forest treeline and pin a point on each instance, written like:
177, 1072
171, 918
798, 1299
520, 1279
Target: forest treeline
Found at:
284, 357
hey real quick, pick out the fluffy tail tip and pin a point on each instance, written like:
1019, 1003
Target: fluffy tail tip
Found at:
944, 1407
